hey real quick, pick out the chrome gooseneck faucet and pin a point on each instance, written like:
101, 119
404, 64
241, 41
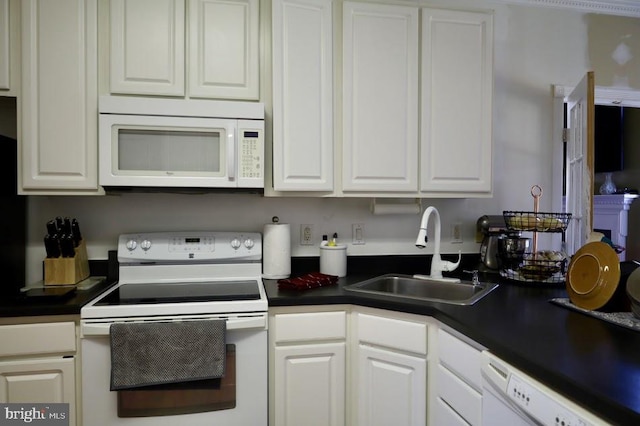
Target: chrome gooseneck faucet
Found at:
437, 264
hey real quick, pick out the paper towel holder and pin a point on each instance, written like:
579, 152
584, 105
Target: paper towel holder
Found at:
395, 206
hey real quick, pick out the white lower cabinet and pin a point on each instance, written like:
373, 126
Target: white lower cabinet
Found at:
38, 364
444, 415
46, 380
389, 372
307, 368
354, 365
391, 387
311, 384
457, 385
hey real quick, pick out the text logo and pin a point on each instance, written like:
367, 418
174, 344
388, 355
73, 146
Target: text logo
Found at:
34, 414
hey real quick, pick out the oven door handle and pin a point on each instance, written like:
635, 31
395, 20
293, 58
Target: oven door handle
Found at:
258, 322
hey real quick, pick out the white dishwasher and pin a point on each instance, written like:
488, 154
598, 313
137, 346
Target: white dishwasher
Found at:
511, 398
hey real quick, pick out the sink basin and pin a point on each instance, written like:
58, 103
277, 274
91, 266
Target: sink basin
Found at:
408, 287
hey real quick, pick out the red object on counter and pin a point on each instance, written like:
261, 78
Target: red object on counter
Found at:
308, 281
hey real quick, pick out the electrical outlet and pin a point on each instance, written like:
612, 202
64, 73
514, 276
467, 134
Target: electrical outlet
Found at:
456, 233
306, 235
357, 233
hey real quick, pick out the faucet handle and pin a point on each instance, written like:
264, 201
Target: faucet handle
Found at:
451, 266
474, 278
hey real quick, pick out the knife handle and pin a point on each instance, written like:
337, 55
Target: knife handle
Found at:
52, 245
59, 223
75, 230
52, 228
66, 245
66, 227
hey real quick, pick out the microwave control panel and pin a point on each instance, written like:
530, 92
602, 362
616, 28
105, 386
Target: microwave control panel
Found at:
251, 154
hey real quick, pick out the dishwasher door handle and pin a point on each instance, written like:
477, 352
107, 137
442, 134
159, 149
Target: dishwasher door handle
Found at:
242, 323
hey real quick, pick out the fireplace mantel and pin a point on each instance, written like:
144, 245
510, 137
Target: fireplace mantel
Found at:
611, 217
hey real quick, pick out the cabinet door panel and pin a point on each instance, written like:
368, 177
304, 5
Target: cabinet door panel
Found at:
465, 400
48, 380
380, 97
5, 59
59, 95
310, 384
392, 388
223, 48
147, 47
461, 358
302, 95
445, 415
457, 85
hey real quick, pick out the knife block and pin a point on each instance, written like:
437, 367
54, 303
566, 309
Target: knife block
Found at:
67, 270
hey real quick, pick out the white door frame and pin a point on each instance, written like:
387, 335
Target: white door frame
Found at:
604, 96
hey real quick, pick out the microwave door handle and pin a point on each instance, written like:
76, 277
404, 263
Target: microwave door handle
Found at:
231, 155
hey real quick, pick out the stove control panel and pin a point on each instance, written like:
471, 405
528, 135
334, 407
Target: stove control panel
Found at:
190, 246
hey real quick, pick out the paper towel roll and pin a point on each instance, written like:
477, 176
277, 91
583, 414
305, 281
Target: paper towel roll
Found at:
276, 251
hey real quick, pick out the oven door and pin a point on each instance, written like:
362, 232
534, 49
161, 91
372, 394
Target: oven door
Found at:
244, 404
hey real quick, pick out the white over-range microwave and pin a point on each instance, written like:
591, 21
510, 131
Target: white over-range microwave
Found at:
176, 143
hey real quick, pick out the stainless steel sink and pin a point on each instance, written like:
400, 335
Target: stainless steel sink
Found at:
408, 287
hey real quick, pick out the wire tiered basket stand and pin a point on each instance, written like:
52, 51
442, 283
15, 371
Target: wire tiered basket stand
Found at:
535, 266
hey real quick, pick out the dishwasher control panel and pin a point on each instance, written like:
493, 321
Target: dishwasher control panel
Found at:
544, 408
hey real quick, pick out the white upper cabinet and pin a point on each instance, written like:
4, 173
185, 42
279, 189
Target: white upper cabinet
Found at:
412, 111
5, 38
149, 56
224, 49
147, 47
302, 95
380, 98
457, 86
9, 47
59, 107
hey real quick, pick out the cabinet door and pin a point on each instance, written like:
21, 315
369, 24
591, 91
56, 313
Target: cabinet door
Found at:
443, 414
457, 85
224, 49
147, 47
9, 47
5, 42
380, 97
59, 112
392, 388
302, 95
48, 380
310, 384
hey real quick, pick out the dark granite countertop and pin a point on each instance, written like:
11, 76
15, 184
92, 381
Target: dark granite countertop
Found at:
592, 362
17, 305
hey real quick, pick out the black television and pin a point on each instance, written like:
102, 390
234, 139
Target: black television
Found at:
609, 139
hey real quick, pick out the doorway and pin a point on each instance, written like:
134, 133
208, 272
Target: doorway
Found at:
603, 96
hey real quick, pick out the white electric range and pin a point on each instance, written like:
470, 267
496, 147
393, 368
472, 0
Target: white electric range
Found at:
182, 276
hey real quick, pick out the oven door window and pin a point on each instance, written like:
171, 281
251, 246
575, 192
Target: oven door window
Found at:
165, 150
183, 398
